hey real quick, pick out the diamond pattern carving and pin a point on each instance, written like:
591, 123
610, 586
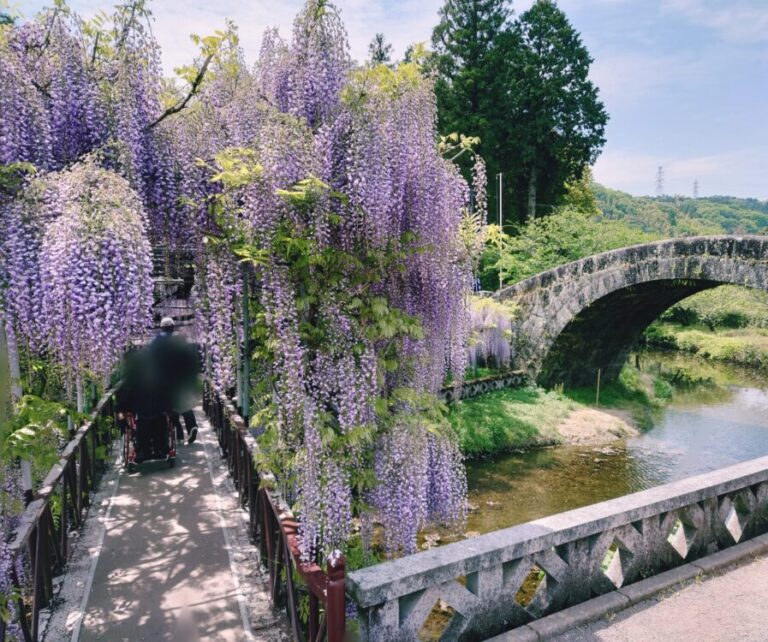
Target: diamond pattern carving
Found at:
735, 521
616, 563
735, 511
681, 537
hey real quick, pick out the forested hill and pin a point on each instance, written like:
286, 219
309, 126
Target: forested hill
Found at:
680, 216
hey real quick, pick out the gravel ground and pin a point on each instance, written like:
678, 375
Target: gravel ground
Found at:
727, 607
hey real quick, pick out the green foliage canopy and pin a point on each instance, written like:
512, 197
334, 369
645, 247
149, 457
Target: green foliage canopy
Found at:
560, 238
523, 88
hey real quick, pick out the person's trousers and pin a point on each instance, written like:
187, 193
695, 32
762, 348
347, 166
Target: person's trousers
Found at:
189, 422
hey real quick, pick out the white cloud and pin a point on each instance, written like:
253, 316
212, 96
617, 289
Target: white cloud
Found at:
737, 20
735, 173
402, 23
628, 77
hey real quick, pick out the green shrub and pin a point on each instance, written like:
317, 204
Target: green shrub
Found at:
659, 337
662, 389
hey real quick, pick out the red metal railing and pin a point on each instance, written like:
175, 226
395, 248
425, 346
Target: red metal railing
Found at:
42, 537
274, 528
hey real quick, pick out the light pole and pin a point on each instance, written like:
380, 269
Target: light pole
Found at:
500, 205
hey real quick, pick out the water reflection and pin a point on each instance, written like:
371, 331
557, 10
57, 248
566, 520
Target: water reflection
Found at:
701, 431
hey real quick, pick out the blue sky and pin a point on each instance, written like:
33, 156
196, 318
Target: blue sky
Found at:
685, 81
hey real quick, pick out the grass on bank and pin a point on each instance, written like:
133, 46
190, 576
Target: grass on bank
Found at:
744, 346
638, 392
514, 419
508, 420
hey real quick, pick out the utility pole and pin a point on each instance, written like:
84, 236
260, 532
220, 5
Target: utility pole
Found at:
660, 181
696, 188
501, 226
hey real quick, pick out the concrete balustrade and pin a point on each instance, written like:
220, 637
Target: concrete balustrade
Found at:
475, 387
505, 579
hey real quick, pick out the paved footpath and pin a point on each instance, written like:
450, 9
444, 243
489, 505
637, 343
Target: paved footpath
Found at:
174, 562
730, 607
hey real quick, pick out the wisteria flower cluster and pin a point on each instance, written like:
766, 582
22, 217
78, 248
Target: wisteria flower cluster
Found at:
96, 270
71, 87
25, 220
489, 341
215, 316
333, 189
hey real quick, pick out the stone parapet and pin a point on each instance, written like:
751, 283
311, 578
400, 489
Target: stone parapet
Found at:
506, 579
475, 387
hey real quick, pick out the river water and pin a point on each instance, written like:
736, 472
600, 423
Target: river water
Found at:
707, 426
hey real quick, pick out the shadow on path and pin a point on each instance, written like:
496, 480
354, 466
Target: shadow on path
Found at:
164, 572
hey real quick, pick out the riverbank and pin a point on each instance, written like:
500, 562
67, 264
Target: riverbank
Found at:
519, 419
741, 346
694, 359
717, 416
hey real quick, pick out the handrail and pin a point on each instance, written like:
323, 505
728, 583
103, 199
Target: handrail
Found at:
42, 538
274, 527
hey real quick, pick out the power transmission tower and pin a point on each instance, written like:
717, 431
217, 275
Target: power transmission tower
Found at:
660, 181
696, 188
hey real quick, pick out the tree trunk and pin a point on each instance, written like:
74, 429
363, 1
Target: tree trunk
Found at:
80, 393
532, 195
11, 347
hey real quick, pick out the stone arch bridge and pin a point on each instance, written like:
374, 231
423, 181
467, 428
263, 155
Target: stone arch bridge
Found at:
588, 314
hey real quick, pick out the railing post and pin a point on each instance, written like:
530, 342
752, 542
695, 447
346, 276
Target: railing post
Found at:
336, 605
314, 617
63, 520
253, 500
20, 607
83, 474
94, 445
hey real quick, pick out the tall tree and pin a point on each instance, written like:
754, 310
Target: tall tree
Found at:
472, 42
379, 51
556, 121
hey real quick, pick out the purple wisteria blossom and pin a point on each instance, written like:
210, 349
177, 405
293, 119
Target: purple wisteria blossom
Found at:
370, 135
95, 270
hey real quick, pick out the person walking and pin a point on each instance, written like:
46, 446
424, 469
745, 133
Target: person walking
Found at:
176, 371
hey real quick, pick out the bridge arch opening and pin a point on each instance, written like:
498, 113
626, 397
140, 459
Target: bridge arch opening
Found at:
602, 335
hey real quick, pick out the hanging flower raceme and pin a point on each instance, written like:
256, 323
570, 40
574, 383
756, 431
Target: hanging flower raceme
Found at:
25, 220
57, 63
215, 319
96, 270
320, 61
25, 133
489, 343
334, 189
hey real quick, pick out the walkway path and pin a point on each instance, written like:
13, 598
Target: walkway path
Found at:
730, 607
174, 561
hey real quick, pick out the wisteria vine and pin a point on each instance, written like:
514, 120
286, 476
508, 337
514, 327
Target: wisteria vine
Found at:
333, 190
323, 178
